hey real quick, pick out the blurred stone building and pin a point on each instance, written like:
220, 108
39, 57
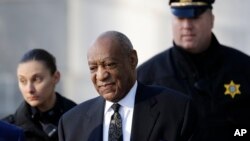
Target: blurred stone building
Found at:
66, 28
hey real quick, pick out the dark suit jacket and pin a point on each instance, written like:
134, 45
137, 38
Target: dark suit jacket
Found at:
159, 114
10, 132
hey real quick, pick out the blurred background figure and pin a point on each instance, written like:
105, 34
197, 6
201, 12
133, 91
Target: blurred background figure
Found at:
10, 132
39, 113
66, 28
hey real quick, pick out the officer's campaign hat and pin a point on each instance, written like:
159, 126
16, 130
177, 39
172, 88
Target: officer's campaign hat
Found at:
189, 8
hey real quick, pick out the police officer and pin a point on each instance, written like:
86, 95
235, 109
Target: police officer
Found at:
217, 77
39, 113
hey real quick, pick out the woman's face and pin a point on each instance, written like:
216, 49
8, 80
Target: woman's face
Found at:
37, 84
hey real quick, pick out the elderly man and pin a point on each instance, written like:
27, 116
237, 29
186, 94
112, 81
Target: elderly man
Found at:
126, 109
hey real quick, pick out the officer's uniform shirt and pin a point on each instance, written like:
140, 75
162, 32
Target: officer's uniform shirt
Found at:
218, 80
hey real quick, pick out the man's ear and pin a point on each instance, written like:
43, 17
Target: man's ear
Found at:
212, 19
134, 59
56, 77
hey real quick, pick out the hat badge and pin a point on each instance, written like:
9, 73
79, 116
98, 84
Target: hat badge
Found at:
186, 0
232, 89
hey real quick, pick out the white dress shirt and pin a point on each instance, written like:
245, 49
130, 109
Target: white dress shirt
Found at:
126, 111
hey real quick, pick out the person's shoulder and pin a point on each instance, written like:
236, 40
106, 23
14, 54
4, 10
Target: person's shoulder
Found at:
235, 53
165, 97
8, 128
165, 93
19, 116
91, 102
235, 60
9, 118
171, 92
157, 59
10, 132
158, 66
82, 108
66, 102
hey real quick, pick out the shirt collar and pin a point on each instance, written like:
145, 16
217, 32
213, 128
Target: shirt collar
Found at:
128, 101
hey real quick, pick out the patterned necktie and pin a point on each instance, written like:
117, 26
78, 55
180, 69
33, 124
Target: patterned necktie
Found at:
115, 127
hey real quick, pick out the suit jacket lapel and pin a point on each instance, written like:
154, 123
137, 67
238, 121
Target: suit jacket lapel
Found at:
95, 120
145, 114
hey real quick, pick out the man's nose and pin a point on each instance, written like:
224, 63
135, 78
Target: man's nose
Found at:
187, 23
102, 74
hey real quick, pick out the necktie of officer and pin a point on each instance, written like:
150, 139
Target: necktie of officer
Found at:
115, 127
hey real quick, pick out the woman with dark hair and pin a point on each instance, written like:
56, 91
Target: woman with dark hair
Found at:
42, 108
